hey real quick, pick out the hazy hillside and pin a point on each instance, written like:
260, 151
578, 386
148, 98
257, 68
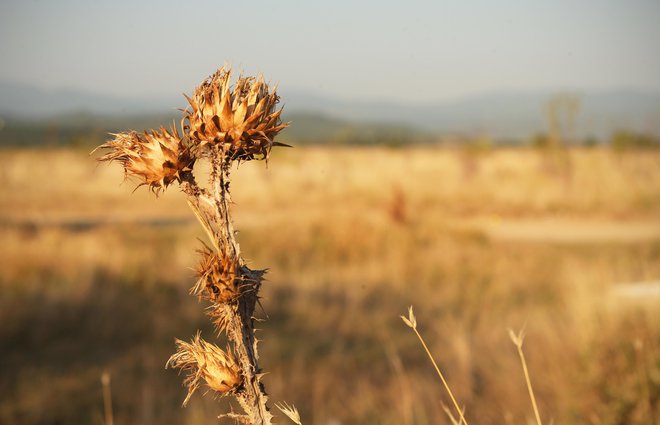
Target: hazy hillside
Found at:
24, 101
502, 114
318, 118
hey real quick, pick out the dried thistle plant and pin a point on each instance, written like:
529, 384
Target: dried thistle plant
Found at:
242, 121
223, 124
156, 158
205, 361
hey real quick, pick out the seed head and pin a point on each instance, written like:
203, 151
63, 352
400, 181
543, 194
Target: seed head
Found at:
205, 361
216, 276
156, 158
241, 120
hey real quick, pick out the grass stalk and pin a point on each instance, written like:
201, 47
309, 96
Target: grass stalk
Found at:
518, 340
107, 398
411, 321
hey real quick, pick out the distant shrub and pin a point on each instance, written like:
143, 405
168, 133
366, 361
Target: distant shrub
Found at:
625, 140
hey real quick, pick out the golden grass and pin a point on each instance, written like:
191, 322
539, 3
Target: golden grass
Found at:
354, 236
518, 340
411, 321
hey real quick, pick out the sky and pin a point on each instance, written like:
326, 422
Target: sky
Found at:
408, 51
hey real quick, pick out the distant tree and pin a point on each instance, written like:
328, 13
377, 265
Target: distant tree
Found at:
561, 113
540, 141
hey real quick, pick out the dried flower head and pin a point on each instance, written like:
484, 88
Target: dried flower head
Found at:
241, 120
205, 361
156, 158
216, 276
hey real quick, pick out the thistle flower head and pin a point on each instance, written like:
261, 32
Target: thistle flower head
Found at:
206, 363
241, 120
155, 158
216, 276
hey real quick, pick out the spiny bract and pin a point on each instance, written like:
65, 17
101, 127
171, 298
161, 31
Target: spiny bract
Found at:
241, 120
157, 158
216, 276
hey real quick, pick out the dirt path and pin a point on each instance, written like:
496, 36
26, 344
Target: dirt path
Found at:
564, 230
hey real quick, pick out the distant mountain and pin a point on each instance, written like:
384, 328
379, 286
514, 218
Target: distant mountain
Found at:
28, 102
500, 115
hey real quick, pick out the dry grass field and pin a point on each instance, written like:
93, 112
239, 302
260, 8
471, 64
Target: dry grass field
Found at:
94, 278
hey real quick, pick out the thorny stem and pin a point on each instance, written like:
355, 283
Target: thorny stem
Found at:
213, 212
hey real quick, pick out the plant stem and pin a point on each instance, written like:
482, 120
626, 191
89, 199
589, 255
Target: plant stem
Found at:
213, 212
107, 398
528, 381
442, 378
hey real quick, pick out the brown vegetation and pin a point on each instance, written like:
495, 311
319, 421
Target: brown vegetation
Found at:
94, 278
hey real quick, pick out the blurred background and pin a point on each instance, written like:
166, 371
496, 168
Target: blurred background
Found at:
494, 164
